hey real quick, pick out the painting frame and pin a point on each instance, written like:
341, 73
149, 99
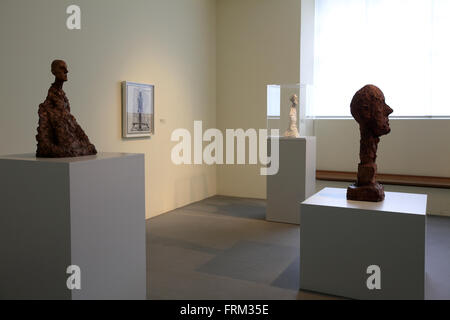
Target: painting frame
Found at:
138, 110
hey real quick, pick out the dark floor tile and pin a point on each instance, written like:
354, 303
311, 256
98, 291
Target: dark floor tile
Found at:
157, 240
232, 207
251, 261
290, 278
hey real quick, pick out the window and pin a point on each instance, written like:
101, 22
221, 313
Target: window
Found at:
402, 46
273, 100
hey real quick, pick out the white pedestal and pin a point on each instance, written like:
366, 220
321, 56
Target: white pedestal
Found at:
87, 211
340, 239
295, 181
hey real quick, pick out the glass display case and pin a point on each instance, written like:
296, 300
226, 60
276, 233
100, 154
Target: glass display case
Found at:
285, 112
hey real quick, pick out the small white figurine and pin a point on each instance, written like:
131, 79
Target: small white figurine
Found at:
292, 131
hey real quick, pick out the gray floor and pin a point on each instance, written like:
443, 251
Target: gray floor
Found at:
222, 248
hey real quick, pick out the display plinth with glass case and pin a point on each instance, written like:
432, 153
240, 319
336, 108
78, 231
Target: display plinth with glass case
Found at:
296, 177
289, 105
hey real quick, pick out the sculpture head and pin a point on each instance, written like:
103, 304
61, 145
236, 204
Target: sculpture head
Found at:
294, 99
370, 110
59, 70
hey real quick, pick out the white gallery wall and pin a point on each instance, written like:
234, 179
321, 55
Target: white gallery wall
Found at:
168, 43
258, 43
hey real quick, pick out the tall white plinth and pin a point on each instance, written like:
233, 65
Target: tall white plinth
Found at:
340, 240
295, 181
87, 211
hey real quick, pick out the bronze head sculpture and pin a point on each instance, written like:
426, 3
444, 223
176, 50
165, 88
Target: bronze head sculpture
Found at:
370, 110
59, 70
59, 134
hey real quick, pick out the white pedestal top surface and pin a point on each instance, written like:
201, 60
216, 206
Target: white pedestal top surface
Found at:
291, 138
408, 203
99, 156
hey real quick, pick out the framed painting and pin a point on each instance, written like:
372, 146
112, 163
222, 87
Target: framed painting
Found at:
138, 110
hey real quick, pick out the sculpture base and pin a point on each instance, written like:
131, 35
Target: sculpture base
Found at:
370, 193
340, 240
87, 212
295, 180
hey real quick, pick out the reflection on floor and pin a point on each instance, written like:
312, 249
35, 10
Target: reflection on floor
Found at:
222, 248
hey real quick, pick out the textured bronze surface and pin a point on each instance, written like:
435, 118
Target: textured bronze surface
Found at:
370, 110
59, 135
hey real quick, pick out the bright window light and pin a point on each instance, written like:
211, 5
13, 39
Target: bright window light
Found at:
273, 100
402, 46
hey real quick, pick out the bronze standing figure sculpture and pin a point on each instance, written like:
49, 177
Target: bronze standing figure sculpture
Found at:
370, 110
59, 135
